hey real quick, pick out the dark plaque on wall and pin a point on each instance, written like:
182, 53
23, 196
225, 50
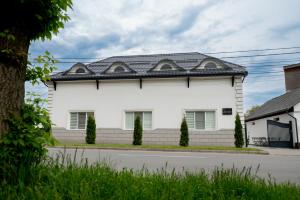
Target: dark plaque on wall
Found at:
227, 111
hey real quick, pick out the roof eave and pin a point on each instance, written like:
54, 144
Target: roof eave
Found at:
110, 77
270, 114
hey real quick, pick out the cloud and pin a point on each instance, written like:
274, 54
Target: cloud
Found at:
104, 28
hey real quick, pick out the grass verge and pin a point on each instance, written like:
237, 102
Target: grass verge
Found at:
68, 180
162, 147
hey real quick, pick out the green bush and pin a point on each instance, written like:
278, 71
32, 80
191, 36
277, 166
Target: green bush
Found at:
137, 132
24, 145
90, 130
238, 132
184, 136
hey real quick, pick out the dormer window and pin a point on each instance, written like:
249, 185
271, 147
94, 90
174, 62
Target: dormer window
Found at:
166, 67
119, 69
78, 68
210, 65
80, 71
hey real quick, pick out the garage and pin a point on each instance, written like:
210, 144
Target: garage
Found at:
276, 122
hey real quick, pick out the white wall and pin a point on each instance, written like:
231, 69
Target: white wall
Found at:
166, 98
258, 128
297, 115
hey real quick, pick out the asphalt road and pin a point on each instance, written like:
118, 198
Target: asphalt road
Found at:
281, 167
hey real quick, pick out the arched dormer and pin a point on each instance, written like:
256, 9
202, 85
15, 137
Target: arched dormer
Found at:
118, 67
166, 65
80, 71
78, 68
210, 64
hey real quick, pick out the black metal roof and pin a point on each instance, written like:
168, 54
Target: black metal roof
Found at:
141, 66
278, 105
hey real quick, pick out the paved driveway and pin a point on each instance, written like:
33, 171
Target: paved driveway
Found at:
281, 167
280, 151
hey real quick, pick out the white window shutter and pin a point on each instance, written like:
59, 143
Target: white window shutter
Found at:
147, 120
200, 120
81, 120
73, 120
190, 119
129, 120
210, 120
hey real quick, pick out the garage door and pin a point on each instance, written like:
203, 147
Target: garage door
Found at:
279, 134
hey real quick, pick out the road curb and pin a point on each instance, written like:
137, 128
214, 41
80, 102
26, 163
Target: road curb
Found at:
261, 152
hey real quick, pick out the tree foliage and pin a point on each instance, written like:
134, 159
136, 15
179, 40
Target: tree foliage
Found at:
40, 73
238, 132
137, 132
35, 19
184, 136
24, 145
21, 22
90, 130
251, 110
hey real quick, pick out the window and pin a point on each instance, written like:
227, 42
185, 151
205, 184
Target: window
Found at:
80, 71
210, 65
78, 120
166, 67
146, 119
201, 120
119, 69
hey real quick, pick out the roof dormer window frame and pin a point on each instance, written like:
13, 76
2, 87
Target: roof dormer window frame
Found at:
204, 64
116, 67
78, 69
159, 67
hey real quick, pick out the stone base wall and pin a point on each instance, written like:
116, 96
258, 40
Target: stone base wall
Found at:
155, 137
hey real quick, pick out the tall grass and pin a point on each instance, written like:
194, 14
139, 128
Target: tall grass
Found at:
64, 178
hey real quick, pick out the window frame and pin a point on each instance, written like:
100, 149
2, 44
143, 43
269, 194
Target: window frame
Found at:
119, 67
170, 67
134, 111
86, 118
209, 63
205, 111
80, 68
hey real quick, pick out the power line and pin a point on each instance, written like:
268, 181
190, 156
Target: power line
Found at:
254, 50
210, 53
261, 55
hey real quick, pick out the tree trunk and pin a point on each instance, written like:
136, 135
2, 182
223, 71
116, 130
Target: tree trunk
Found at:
13, 62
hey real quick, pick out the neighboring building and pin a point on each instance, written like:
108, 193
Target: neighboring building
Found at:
292, 76
277, 122
161, 89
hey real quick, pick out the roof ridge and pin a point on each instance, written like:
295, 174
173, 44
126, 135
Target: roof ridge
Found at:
158, 54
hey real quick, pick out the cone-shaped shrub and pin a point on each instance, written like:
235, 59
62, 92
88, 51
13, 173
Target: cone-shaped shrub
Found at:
238, 132
90, 130
184, 136
138, 131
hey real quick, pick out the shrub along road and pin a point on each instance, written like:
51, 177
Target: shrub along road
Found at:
282, 168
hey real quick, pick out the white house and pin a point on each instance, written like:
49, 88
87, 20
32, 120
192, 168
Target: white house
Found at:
277, 122
161, 89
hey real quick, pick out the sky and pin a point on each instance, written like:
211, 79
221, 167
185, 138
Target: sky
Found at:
103, 28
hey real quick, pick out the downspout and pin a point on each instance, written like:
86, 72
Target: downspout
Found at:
296, 124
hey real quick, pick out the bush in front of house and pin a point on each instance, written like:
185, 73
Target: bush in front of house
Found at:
90, 130
184, 136
137, 132
238, 132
